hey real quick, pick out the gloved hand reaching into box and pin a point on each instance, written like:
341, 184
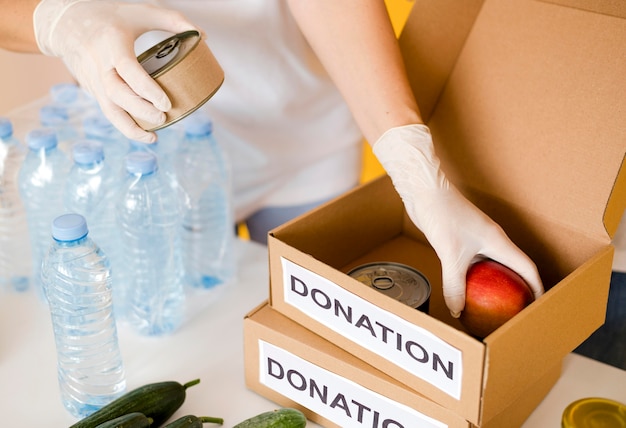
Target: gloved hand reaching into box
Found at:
95, 39
457, 230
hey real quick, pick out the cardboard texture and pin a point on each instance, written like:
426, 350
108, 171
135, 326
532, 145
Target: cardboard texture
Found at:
264, 327
525, 100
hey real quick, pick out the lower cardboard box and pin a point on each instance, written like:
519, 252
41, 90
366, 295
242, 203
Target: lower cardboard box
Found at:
294, 367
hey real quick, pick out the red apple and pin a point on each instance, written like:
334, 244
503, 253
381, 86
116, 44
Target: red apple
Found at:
494, 295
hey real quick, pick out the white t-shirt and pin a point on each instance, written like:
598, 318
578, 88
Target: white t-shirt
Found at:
290, 136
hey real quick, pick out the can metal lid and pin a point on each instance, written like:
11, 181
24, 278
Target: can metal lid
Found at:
396, 280
594, 412
163, 56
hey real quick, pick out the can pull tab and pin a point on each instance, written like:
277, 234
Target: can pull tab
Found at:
168, 48
382, 280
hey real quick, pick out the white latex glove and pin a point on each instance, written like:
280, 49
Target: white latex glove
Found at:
457, 230
95, 39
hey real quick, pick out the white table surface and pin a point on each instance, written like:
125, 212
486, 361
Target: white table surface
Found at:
208, 347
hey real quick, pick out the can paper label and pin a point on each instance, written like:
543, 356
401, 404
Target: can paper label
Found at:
412, 348
333, 397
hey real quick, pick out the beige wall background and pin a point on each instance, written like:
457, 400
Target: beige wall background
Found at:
27, 77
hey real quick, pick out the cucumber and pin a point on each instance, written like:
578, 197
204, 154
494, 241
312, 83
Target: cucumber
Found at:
157, 400
191, 421
280, 418
130, 420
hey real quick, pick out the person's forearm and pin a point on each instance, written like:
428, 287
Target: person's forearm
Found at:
356, 43
16, 25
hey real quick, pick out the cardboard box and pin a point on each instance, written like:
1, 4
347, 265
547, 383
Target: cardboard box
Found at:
296, 368
525, 100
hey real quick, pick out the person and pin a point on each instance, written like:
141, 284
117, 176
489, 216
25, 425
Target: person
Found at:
306, 81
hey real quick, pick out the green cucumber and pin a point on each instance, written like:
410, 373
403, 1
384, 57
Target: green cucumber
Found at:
280, 418
191, 421
130, 420
157, 400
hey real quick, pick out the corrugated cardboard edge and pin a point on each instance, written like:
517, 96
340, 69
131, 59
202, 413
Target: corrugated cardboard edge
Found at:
617, 202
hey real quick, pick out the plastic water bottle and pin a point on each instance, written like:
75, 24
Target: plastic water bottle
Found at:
97, 127
73, 96
164, 151
147, 215
207, 227
77, 283
90, 190
14, 255
57, 117
41, 182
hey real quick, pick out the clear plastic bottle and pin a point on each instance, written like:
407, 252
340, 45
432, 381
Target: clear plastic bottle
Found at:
90, 190
164, 151
77, 285
14, 258
207, 227
147, 215
41, 182
57, 117
97, 127
78, 102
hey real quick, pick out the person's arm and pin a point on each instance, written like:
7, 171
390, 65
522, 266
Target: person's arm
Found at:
16, 25
355, 42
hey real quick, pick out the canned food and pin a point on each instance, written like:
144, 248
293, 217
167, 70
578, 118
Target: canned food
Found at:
594, 412
184, 66
398, 281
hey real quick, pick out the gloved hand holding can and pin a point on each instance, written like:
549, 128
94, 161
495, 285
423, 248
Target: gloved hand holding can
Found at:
95, 39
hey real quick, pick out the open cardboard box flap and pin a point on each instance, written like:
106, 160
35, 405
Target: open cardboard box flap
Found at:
525, 100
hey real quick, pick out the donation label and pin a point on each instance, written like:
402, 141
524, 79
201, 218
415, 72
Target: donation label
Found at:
412, 348
333, 397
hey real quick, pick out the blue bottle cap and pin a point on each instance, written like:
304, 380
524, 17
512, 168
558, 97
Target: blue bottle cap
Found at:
141, 162
65, 93
69, 227
97, 126
140, 145
6, 127
41, 138
53, 114
87, 152
198, 126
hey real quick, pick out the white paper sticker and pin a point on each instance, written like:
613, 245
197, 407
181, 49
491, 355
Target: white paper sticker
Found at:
334, 397
414, 349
